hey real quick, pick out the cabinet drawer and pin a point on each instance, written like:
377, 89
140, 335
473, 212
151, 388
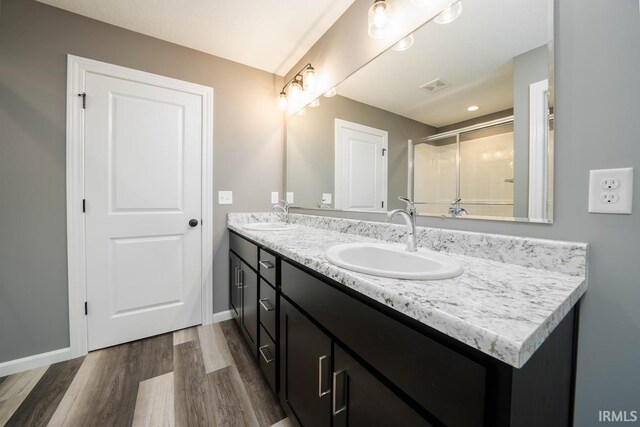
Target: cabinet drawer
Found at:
267, 266
267, 308
244, 249
267, 358
448, 385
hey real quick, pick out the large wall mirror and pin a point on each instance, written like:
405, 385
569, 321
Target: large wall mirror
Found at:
461, 122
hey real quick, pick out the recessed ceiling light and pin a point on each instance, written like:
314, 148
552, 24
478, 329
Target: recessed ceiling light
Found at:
450, 14
404, 44
473, 108
331, 92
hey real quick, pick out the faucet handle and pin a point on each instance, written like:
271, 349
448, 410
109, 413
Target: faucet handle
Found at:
410, 204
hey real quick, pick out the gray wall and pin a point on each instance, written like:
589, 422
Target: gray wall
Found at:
530, 67
597, 64
311, 147
34, 41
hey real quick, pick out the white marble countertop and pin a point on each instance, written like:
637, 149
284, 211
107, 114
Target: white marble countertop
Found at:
504, 310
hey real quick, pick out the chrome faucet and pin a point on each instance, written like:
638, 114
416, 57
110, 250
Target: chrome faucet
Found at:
455, 209
283, 207
410, 218
322, 205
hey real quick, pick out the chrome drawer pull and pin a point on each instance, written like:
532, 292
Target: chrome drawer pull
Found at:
320, 391
262, 300
261, 350
240, 278
266, 264
334, 404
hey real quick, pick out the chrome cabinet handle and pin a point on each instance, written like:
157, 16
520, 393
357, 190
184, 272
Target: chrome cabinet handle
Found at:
320, 391
334, 403
240, 278
235, 272
266, 264
261, 350
262, 300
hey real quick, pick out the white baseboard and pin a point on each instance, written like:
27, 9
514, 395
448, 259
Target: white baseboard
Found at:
222, 316
37, 360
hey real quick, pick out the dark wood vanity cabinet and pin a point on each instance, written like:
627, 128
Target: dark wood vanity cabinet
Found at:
338, 358
253, 301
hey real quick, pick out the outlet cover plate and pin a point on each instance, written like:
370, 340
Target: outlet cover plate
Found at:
326, 198
274, 197
290, 197
225, 197
618, 200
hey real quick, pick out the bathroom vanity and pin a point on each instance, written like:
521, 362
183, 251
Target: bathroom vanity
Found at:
492, 347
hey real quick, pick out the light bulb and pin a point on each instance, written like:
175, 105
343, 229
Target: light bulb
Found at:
404, 44
308, 78
282, 101
294, 90
450, 14
315, 103
331, 92
378, 17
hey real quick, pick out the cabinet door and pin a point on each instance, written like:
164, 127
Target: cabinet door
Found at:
305, 357
234, 288
249, 286
359, 399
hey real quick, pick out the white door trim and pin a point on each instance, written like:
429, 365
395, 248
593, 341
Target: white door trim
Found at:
538, 149
344, 124
77, 68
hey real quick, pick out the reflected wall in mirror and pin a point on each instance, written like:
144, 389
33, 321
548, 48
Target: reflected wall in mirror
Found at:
461, 122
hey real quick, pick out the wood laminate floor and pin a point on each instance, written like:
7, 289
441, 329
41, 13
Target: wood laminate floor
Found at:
201, 376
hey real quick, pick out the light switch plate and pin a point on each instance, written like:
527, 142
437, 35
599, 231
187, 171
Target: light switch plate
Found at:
225, 197
290, 197
326, 198
611, 191
274, 197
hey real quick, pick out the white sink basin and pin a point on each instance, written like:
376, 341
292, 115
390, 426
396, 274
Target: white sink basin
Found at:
270, 226
394, 261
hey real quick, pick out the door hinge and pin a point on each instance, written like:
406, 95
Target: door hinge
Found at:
84, 100
86, 308
383, 151
84, 205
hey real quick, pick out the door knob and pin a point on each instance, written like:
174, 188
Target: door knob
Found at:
193, 222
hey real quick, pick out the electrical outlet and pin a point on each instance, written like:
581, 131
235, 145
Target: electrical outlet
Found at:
609, 184
274, 197
225, 197
290, 197
611, 191
326, 198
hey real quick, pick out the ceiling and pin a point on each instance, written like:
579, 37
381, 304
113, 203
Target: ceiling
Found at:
474, 53
271, 35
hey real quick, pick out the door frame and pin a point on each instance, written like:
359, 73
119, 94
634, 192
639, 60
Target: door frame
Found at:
77, 68
341, 124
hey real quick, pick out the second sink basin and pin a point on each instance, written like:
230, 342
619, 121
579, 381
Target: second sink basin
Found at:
270, 226
394, 261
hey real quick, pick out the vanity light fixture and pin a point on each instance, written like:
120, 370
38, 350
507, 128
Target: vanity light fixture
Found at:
420, 3
404, 44
473, 108
330, 93
378, 18
450, 14
303, 80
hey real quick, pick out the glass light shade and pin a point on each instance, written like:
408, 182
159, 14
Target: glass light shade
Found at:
295, 88
404, 44
378, 18
308, 78
450, 14
420, 3
282, 101
315, 103
331, 92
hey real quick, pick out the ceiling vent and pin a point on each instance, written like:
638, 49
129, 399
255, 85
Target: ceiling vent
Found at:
435, 85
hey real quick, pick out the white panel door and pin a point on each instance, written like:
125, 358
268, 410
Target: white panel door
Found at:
361, 167
142, 187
